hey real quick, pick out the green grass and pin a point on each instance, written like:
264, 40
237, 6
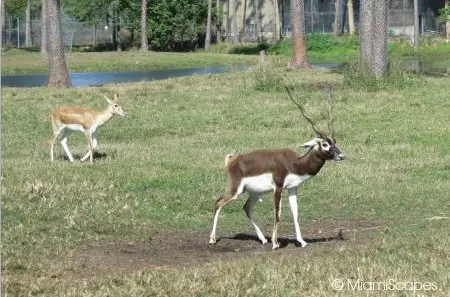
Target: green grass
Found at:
327, 48
162, 166
23, 62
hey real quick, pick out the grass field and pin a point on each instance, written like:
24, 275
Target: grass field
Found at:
24, 62
136, 222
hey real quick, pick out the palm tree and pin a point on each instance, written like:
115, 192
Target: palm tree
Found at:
374, 36
351, 20
58, 75
43, 26
277, 21
416, 25
337, 18
447, 24
144, 41
208, 26
298, 35
28, 24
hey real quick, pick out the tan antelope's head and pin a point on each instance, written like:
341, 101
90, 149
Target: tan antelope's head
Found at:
114, 106
324, 145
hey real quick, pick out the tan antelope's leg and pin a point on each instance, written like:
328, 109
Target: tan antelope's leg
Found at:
52, 143
65, 146
94, 146
89, 141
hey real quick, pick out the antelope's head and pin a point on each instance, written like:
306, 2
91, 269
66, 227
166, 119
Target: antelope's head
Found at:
324, 145
114, 106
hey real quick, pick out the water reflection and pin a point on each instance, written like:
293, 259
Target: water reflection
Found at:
85, 79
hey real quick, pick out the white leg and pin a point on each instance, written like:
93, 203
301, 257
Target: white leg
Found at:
65, 147
220, 203
248, 208
278, 194
94, 146
52, 145
294, 210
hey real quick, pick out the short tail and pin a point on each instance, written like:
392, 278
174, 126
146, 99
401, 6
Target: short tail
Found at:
230, 157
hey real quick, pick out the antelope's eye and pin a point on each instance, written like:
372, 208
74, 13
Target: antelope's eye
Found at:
325, 144
116, 105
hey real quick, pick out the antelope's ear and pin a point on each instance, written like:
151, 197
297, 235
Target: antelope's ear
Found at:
311, 143
116, 98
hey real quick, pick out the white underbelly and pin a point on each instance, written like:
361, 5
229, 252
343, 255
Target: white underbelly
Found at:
264, 183
293, 180
258, 184
74, 127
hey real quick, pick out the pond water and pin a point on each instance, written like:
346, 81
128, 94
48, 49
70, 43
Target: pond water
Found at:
83, 79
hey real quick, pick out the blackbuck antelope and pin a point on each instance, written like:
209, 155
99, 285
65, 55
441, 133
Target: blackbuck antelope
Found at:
263, 171
84, 120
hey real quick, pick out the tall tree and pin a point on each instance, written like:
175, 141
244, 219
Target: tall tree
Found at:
28, 24
447, 23
234, 31
144, 18
44, 27
208, 26
218, 21
416, 25
58, 75
374, 36
277, 20
299, 59
257, 4
337, 17
351, 19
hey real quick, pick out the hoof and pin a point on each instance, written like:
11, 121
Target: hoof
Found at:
301, 244
212, 241
275, 246
264, 241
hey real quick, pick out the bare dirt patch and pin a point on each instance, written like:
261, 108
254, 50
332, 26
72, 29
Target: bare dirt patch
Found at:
181, 249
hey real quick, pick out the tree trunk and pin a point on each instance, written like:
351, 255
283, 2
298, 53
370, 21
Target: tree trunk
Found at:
299, 59
374, 36
58, 75
144, 39
241, 33
351, 20
28, 25
365, 30
337, 18
208, 27
416, 25
257, 4
43, 27
218, 21
277, 20
380, 38
226, 25
234, 33
447, 24
2, 27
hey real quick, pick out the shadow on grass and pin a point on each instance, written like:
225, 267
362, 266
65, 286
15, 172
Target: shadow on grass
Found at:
284, 242
78, 157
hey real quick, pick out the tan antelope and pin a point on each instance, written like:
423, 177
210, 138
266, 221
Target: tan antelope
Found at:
263, 171
68, 119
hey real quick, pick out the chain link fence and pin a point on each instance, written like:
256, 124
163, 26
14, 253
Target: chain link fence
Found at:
74, 33
320, 16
